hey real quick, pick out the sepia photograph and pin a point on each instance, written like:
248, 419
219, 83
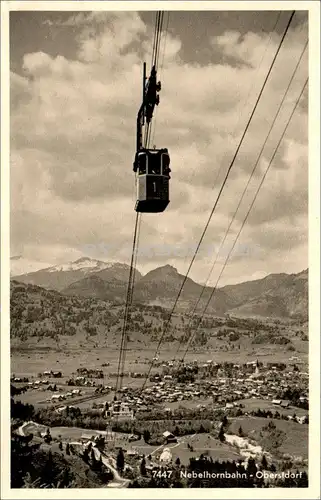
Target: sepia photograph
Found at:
158, 329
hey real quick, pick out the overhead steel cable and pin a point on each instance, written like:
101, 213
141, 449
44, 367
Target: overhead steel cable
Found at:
219, 194
156, 29
247, 214
155, 57
131, 294
251, 87
159, 73
246, 100
128, 297
131, 279
158, 36
155, 35
244, 191
136, 254
220, 169
164, 47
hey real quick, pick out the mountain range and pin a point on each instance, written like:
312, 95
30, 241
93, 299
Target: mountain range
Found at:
276, 295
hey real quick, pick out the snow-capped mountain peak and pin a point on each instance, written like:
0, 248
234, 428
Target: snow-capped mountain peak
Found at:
61, 276
82, 264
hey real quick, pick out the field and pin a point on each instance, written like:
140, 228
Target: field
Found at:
28, 363
296, 436
201, 443
256, 403
72, 433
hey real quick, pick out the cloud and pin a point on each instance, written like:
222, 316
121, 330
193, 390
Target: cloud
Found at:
73, 139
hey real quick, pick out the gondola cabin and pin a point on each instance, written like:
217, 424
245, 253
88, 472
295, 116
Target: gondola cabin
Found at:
153, 174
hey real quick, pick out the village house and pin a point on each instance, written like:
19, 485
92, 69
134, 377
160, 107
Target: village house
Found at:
169, 437
120, 411
57, 397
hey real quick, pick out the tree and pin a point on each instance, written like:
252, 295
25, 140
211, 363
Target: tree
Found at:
60, 446
93, 459
271, 436
240, 431
120, 460
47, 438
29, 482
100, 442
49, 471
67, 449
22, 452
264, 463
303, 481
85, 455
251, 467
143, 467
221, 435
202, 429
21, 411
65, 478
99, 463
178, 462
146, 435
224, 421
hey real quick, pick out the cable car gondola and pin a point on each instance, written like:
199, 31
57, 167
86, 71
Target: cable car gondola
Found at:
152, 181
151, 165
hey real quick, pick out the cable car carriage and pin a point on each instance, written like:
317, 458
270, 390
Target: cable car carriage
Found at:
152, 181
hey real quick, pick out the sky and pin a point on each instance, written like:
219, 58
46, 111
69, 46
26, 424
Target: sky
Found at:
75, 89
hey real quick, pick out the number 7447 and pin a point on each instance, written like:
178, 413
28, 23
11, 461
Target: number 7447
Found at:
166, 474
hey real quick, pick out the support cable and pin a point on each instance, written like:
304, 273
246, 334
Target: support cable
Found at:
219, 195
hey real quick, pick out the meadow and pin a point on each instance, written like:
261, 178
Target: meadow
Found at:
29, 362
254, 404
295, 437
